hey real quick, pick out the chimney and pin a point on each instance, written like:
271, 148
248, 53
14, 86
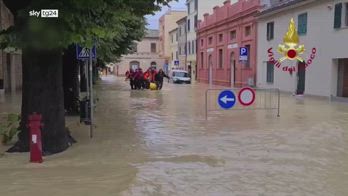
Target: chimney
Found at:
206, 16
216, 8
227, 2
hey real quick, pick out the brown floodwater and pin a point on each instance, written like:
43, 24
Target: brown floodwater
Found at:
159, 143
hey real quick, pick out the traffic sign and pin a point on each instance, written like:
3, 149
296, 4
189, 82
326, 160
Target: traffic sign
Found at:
246, 96
176, 62
243, 53
226, 99
83, 52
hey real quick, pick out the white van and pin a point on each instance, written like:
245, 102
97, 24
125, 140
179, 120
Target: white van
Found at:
180, 76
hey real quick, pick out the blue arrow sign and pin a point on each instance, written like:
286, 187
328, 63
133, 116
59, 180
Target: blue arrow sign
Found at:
83, 53
226, 99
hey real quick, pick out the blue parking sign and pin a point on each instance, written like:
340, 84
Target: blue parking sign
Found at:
243, 54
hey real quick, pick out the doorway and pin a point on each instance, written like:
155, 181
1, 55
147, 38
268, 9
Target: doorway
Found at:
233, 69
301, 78
342, 87
134, 65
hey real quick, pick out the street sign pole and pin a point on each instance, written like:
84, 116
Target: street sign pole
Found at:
91, 90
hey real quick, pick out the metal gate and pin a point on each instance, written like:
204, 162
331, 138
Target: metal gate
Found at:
265, 99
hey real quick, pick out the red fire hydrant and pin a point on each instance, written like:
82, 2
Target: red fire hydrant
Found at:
35, 125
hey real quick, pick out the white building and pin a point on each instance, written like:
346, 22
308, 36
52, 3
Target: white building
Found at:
322, 25
174, 57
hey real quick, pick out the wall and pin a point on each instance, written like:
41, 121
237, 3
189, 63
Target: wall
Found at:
173, 47
321, 75
11, 75
182, 26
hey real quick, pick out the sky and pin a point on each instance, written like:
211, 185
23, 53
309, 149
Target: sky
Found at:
153, 19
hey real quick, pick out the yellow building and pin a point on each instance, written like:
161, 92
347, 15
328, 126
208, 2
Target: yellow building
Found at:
167, 23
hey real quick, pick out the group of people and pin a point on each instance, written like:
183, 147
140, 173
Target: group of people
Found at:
142, 80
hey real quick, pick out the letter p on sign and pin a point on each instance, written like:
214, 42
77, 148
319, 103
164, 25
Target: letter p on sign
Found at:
243, 54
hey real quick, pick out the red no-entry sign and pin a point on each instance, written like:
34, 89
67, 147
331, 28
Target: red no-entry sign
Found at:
246, 96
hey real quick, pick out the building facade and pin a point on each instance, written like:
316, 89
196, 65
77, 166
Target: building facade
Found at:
10, 60
167, 23
220, 36
145, 54
174, 58
195, 11
322, 27
182, 40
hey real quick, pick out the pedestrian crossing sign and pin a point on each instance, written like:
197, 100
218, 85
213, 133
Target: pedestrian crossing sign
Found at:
84, 52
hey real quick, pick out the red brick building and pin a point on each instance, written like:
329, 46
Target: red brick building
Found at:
219, 38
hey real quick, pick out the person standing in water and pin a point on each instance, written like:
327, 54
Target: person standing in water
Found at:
159, 79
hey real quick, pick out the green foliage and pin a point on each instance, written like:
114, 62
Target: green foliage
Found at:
9, 128
112, 24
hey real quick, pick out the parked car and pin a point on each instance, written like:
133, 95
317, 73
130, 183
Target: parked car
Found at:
180, 76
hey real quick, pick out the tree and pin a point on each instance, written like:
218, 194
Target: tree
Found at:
112, 24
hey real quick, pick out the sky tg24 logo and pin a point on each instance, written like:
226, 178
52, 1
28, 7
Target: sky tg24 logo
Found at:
45, 13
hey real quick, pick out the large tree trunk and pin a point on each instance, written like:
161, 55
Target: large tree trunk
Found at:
43, 93
71, 81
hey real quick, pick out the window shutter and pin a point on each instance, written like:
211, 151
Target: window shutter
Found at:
338, 15
270, 72
302, 24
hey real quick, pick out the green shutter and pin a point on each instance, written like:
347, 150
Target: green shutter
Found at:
338, 15
302, 24
270, 72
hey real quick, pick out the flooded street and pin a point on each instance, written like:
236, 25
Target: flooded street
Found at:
159, 143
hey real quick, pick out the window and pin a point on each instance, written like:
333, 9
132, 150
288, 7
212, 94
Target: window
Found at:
247, 31
202, 59
270, 72
221, 58
189, 47
210, 40
196, 21
247, 64
184, 49
193, 47
134, 48
202, 42
176, 36
153, 48
233, 35
270, 31
188, 8
196, 5
172, 38
188, 25
221, 37
302, 24
338, 16
172, 56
